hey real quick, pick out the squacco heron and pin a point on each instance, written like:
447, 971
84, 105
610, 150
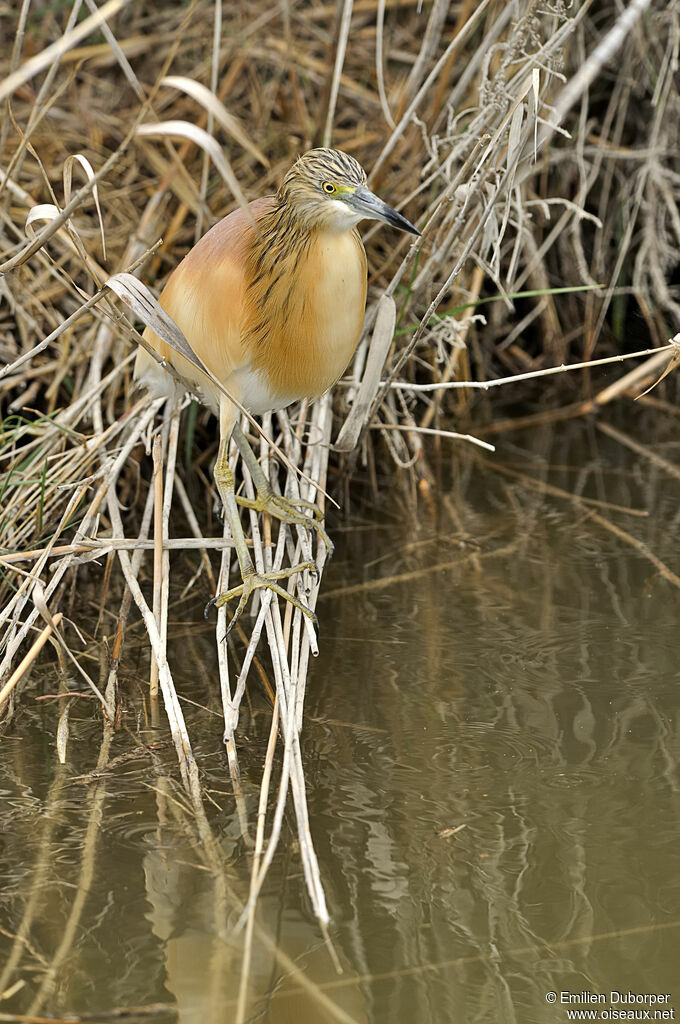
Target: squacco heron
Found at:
275, 314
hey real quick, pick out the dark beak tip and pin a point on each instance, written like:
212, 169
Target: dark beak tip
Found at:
400, 222
403, 224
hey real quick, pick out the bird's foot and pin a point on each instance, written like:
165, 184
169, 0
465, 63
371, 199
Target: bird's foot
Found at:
290, 510
266, 580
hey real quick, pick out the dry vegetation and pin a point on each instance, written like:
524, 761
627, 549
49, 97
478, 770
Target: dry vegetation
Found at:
535, 144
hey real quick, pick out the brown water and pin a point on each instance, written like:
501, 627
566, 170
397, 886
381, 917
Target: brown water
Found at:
491, 753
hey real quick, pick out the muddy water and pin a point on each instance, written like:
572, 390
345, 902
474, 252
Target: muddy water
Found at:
491, 749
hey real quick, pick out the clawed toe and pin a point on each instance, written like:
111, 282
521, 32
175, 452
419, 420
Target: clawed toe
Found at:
267, 581
290, 510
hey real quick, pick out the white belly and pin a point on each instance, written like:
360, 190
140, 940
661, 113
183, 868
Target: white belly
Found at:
255, 393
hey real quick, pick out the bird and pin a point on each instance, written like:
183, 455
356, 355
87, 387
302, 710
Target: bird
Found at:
272, 301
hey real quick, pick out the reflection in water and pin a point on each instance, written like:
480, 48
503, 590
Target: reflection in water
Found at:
528, 692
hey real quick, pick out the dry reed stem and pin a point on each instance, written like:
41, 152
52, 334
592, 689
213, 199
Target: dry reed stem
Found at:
173, 709
29, 657
126, 602
229, 709
670, 350
171, 424
157, 548
255, 866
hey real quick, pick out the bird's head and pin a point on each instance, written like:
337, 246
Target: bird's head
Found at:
327, 189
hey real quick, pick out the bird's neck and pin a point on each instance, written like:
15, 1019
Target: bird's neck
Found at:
284, 239
283, 225
286, 232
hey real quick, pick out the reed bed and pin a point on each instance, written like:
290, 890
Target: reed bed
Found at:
536, 146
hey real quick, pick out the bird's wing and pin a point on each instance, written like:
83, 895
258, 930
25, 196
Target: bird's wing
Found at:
206, 297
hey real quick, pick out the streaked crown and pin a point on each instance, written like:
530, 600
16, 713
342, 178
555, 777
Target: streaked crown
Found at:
317, 185
319, 165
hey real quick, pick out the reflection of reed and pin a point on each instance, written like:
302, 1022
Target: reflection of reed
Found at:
37, 893
73, 923
535, 710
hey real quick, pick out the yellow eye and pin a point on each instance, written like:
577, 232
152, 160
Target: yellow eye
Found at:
328, 187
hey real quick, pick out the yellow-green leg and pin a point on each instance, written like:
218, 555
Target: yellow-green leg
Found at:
251, 579
288, 510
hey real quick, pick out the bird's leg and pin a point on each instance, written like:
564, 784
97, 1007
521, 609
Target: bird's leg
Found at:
252, 580
288, 510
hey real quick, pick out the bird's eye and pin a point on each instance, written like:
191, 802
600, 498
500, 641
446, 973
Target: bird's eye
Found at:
328, 187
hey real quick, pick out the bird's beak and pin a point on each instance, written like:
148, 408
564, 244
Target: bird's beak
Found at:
367, 204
